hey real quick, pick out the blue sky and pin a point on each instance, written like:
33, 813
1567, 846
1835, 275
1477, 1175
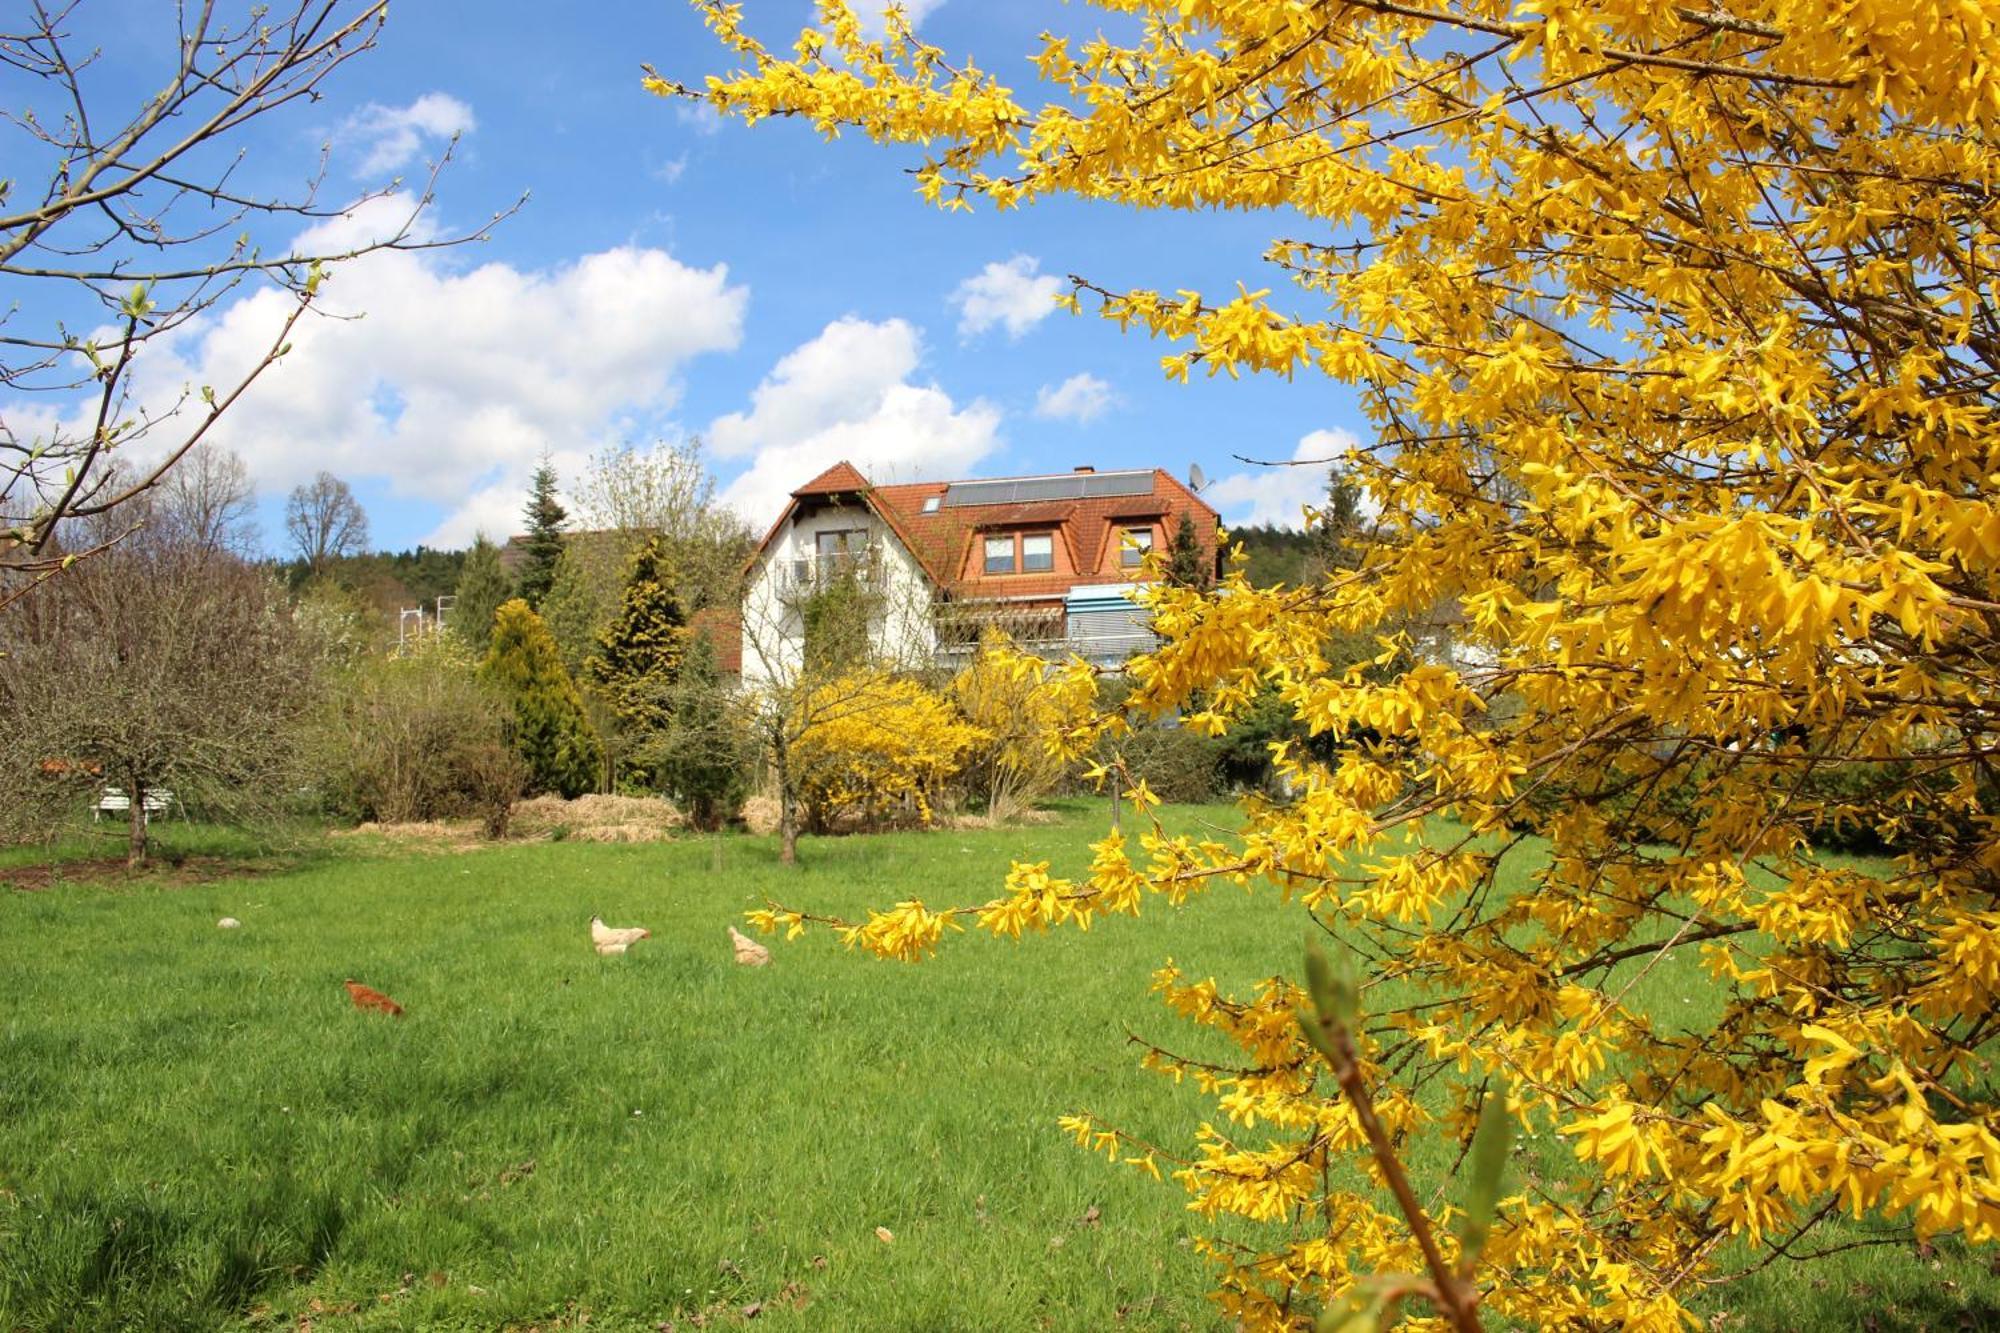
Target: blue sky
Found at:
789, 300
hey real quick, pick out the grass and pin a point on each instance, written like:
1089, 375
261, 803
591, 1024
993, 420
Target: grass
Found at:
198, 1131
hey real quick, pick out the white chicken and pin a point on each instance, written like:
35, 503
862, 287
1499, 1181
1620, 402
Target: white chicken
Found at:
612, 940
748, 951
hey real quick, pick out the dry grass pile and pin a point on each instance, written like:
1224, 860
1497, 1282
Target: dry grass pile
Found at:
760, 815
596, 819
458, 835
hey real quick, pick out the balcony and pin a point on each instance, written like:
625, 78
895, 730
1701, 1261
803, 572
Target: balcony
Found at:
811, 573
1102, 630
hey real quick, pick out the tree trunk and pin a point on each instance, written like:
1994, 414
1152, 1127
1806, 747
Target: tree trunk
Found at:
135, 849
788, 803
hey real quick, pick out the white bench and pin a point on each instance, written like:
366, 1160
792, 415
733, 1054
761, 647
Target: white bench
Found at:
114, 801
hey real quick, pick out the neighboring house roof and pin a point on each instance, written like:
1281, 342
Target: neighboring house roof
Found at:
514, 551
944, 537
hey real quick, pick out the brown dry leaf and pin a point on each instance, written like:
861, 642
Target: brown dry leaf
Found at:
752, 1310
819, 1261
886, 1236
1090, 1216
748, 951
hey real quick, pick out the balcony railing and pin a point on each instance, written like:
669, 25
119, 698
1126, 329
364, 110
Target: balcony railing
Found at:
1095, 644
814, 572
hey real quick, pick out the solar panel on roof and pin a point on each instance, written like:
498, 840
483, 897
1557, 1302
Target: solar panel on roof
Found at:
1068, 486
1117, 483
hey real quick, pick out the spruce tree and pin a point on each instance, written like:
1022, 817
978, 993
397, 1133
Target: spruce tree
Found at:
550, 732
1185, 566
639, 653
483, 584
544, 546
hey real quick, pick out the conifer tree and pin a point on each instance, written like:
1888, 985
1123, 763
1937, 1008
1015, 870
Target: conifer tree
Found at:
546, 517
1340, 523
551, 732
576, 608
639, 653
483, 584
1185, 566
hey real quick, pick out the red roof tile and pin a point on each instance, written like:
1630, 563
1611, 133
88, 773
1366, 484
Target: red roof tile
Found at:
842, 476
941, 538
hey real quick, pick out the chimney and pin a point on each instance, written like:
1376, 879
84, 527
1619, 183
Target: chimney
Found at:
1086, 468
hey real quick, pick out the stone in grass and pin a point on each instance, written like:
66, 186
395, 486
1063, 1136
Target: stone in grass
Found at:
228, 923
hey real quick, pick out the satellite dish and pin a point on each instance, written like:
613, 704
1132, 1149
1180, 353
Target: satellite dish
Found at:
1196, 477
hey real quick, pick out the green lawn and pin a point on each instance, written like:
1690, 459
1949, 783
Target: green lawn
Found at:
198, 1131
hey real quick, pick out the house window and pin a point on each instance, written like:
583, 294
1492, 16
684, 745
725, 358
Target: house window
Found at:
841, 541
1134, 544
1031, 553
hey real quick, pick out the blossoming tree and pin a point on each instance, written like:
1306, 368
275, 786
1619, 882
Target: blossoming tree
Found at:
1679, 331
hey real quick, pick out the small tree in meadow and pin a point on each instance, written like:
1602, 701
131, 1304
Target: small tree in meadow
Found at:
701, 757
551, 733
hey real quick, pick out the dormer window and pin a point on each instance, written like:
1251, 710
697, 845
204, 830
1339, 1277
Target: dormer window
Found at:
1027, 553
1134, 545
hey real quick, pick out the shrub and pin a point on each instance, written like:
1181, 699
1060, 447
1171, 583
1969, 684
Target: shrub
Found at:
883, 749
701, 756
1175, 763
1014, 762
417, 736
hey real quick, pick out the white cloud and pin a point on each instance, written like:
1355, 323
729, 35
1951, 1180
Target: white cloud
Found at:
670, 171
847, 394
396, 134
450, 384
874, 14
1016, 294
1279, 494
1081, 397
700, 117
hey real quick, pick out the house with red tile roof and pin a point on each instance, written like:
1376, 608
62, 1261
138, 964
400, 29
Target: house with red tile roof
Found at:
1054, 560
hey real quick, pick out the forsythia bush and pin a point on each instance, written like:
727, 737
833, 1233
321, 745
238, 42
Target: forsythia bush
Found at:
880, 745
1019, 755
1678, 328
